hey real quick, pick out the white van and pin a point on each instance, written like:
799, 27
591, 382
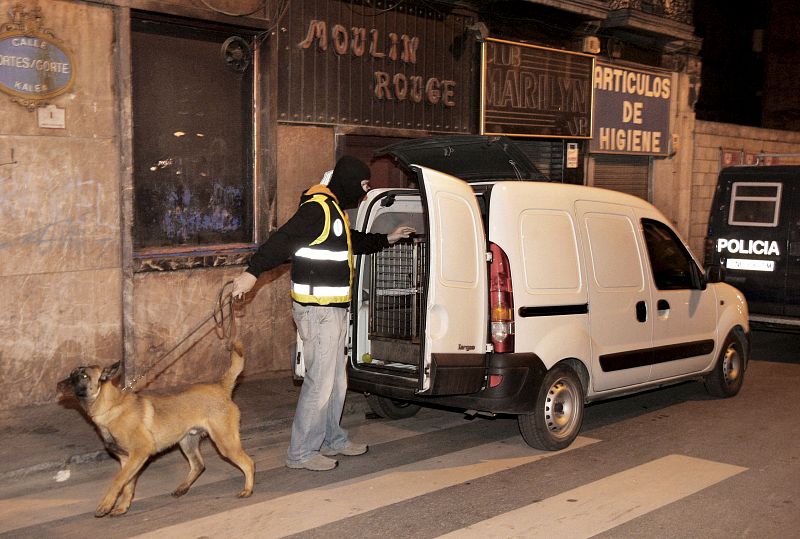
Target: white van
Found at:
529, 298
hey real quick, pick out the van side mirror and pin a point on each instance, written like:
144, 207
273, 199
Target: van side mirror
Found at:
715, 273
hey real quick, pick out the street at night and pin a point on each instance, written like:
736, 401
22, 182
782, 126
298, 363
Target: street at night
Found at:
672, 462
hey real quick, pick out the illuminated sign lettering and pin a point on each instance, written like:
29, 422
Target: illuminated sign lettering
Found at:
748, 247
358, 42
532, 91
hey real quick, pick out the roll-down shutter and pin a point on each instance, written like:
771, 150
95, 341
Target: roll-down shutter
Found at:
627, 173
547, 155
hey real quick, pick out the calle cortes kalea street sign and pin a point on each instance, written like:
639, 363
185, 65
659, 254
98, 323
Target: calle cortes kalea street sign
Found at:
34, 65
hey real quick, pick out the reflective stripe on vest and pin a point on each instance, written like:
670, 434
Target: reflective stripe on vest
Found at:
322, 295
322, 254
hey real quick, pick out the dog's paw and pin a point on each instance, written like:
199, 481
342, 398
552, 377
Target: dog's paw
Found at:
118, 511
180, 491
245, 493
102, 510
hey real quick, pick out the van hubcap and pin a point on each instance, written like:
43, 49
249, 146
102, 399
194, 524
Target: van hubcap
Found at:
560, 408
731, 365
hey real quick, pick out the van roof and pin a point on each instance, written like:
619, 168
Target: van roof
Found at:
755, 172
572, 192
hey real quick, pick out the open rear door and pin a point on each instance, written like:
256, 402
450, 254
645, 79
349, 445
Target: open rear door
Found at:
454, 353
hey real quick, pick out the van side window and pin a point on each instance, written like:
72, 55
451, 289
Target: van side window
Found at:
615, 255
544, 233
672, 265
755, 204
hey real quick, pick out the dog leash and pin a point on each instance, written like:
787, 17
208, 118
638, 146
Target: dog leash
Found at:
224, 327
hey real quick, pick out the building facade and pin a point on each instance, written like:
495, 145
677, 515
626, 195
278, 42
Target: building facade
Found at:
147, 147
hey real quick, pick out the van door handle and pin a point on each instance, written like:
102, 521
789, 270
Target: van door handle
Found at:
641, 311
662, 305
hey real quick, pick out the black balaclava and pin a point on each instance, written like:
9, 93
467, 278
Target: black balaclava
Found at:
346, 180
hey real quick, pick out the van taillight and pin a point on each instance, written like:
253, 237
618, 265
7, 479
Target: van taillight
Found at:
501, 301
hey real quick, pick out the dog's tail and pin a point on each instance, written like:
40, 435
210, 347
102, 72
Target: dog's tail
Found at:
237, 366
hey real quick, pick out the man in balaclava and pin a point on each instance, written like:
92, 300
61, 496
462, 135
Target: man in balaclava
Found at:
321, 245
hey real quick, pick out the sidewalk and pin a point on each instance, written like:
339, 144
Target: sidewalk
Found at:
46, 438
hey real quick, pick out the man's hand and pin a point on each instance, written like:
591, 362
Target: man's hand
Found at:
399, 233
242, 284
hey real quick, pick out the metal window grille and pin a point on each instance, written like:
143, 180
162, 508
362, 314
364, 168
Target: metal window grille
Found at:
397, 283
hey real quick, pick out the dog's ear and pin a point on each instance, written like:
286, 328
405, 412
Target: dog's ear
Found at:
110, 372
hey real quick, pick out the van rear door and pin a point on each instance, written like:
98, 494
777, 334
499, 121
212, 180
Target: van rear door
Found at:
456, 314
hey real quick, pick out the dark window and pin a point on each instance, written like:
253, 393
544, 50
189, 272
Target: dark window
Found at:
672, 266
192, 138
755, 204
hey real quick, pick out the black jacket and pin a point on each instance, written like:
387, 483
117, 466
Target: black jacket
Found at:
303, 228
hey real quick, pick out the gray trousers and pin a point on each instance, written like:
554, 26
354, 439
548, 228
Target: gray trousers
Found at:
323, 331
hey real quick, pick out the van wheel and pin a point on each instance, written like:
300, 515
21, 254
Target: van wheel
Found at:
728, 374
558, 415
390, 408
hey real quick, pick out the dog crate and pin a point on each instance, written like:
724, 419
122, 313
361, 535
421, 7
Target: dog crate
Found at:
397, 281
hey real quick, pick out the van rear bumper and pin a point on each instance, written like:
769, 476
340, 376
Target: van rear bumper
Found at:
520, 375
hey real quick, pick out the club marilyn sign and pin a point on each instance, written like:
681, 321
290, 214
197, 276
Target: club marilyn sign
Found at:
34, 66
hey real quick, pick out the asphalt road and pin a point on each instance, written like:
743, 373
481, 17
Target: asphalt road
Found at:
673, 462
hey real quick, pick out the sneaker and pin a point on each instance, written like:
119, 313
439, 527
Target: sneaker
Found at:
351, 450
317, 463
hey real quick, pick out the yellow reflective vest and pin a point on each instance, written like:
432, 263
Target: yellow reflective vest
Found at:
322, 271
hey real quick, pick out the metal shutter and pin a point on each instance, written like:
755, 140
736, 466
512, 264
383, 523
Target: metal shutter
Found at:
627, 173
547, 155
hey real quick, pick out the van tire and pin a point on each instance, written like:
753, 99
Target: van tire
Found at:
390, 408
728, 374
558, 415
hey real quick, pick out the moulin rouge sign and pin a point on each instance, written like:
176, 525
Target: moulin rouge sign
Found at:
360, 41
34, 66
359, 65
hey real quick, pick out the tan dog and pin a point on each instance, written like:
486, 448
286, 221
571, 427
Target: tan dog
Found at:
136, 426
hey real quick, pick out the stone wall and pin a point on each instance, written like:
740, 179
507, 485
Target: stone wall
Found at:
671, 177
709, 139
62, 235
59, 218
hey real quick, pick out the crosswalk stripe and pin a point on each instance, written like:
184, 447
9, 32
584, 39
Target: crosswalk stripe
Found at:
290, 514
607, 503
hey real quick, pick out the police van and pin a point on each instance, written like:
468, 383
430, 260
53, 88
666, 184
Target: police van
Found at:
529, 298
754, 233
